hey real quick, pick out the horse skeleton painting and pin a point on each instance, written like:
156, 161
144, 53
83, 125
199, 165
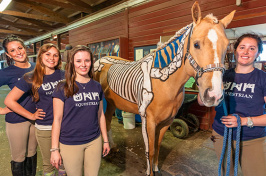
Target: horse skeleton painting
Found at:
154, 86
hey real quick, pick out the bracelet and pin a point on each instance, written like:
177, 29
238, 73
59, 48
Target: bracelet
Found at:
106, 142
54, 149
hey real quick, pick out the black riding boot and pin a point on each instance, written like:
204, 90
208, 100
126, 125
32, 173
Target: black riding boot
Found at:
17, 168
30, 165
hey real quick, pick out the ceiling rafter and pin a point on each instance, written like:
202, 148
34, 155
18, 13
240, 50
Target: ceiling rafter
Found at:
33, 16
18, 32
39, 8
16, 25
64, 5
80, 3
37, 23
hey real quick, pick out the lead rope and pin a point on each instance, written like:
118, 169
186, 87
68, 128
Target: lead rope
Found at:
228, 142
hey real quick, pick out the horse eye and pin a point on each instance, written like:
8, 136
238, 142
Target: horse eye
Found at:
196, 45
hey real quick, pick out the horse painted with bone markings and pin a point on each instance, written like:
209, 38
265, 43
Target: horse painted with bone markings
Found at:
154, 86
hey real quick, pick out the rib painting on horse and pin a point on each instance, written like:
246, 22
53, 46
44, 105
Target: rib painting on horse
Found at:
154, 86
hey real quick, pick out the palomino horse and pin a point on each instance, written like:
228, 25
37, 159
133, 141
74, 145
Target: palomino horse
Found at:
154, 86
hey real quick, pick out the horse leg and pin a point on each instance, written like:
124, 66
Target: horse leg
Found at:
148, 133
110, 109
160, 131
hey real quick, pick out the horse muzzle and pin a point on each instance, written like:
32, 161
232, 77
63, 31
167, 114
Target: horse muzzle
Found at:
211, 98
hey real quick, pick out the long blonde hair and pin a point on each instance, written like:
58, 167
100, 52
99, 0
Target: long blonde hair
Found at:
35, 77
70, 87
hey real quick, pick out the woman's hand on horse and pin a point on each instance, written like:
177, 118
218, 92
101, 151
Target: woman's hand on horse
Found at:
39, 114
106, 149
55, 159
229, 121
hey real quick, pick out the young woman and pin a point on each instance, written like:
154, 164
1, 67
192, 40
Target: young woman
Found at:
20, 130
79, 120
245, 95
41, 82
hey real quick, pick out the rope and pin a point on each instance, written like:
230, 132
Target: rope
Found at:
228, 142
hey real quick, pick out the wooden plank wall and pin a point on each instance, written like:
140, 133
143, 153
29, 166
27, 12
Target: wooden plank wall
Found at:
107, 28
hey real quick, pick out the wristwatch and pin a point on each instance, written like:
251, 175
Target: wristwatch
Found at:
250, 123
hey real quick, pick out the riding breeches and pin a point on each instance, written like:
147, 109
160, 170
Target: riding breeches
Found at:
22, 141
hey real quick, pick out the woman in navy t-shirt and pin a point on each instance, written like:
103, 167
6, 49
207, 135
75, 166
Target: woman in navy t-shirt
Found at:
19, 130
245, 95
79, 121
41, 82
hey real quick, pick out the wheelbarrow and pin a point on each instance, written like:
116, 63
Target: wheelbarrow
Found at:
185, 123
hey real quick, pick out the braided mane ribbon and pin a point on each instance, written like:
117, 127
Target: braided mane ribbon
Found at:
227, 142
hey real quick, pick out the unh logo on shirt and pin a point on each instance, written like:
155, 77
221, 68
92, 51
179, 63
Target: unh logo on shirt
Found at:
86, 96
46, 86
49, 85
241, 89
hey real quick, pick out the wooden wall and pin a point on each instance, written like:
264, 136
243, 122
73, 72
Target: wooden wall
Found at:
144, 24
107, 28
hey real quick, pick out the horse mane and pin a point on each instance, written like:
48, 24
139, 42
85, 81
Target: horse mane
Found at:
177, 34
211, 18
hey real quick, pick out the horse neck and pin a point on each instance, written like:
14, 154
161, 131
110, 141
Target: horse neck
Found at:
168, 60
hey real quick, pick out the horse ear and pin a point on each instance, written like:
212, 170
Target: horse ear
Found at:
196, 13
227, 20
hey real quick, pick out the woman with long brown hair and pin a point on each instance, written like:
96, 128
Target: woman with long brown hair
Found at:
19, 130
41, 82
79, 121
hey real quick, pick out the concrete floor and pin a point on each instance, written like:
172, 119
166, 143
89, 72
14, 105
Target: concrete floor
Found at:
193, 156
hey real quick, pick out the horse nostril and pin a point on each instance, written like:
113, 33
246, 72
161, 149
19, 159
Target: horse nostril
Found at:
207, 97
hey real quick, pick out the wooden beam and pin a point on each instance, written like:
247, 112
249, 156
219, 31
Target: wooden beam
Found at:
253, 15
39, 8
80, 3
63, 5
17, 25
32, 16
37, 23
3, 31
105, 4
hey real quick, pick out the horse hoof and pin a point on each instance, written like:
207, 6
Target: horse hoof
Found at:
157, 173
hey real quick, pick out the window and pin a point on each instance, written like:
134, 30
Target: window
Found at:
262, 56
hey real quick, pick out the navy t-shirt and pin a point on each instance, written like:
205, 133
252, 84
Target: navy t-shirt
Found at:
80, 119
45, 94
10, 76
244, 95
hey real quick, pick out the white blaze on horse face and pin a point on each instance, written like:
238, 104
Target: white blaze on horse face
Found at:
217, 75
212, 36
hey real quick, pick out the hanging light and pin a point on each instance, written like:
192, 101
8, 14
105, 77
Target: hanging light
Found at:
4, 4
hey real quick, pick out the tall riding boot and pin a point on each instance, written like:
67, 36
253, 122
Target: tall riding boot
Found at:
17, 168
30, 165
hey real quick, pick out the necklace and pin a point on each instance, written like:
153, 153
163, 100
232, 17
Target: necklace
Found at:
82, 85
